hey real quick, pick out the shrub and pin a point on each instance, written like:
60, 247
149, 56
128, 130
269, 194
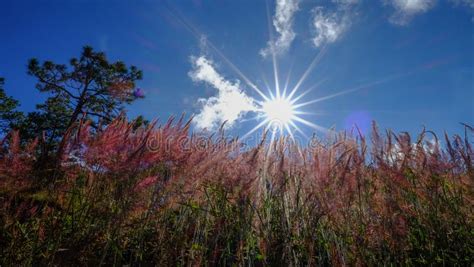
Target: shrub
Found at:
163, 195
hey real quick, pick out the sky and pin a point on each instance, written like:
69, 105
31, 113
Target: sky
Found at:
406, 64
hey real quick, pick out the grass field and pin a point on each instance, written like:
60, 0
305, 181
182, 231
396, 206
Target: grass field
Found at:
164, 196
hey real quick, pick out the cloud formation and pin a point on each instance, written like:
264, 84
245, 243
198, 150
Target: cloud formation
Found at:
230, 103
330, 25
345, 2
283, 23
405, 10
466, 3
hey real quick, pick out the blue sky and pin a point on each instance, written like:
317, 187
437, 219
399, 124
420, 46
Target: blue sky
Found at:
411, 61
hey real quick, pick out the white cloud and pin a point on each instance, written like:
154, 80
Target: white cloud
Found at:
466, 3
283, 23
329, 26
405, 10
396, 154
230, 103
345, 2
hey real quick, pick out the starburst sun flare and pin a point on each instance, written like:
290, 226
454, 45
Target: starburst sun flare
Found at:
278, 114
278, 110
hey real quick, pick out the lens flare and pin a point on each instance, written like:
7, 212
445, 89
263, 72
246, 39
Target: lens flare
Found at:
278, 111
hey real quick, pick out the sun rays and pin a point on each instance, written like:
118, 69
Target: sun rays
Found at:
279, 113
280, 108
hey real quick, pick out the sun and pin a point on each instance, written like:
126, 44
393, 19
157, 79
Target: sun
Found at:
279, 112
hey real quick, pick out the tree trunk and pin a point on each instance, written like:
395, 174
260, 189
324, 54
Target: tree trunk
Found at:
69, 128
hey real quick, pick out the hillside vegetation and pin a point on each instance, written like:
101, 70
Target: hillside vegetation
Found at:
121, 194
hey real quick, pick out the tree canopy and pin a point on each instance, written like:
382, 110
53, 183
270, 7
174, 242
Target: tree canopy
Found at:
90, 87
9, 116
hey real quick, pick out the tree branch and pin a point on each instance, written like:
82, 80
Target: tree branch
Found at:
58, 87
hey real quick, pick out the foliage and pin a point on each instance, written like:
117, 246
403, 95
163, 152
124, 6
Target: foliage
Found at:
93, 87
131, 195
9, 116
90, 88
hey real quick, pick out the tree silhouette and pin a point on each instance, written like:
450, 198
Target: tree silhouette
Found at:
9, 116
90, 88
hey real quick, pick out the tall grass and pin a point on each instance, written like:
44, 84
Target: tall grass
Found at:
165, 196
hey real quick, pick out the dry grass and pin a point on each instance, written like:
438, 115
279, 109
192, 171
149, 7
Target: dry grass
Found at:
165, 196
